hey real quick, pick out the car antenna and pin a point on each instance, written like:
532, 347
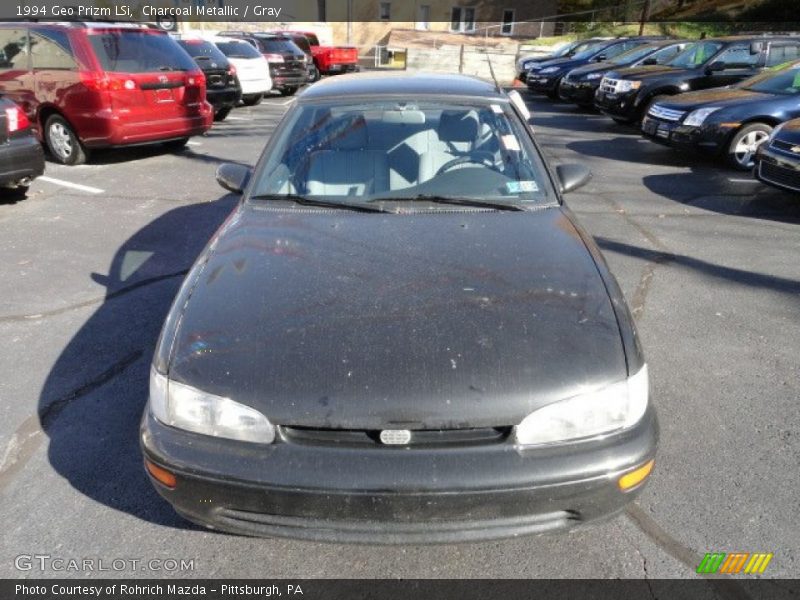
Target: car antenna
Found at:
491, 70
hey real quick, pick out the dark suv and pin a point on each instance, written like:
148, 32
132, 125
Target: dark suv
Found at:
626, 94
223, 91
288, 64
96, 85
546, 77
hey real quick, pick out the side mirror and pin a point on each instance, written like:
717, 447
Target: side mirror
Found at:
233, 177
600, 58
650, 61
572, 177
716, 67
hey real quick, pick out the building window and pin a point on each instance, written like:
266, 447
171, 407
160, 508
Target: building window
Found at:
507, 27
424, 20
462, 18
385, 11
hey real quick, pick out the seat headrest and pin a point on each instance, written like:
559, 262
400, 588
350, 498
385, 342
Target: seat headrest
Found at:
350, 133
458, 126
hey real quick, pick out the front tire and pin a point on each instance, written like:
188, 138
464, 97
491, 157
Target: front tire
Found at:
222, 113
63, 143
743, 146
252, 100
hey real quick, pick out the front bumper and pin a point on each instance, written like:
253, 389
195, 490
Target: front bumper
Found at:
289, 80
578, 92
708, 139
20, 158
543, 84
778, 169
383, 494
624, 106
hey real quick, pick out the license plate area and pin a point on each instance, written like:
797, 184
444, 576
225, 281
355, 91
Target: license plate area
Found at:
163, 95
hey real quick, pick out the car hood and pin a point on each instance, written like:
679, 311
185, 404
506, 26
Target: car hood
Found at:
644, 72
722, 97
790, 132
600, 67
562, 63
338, 319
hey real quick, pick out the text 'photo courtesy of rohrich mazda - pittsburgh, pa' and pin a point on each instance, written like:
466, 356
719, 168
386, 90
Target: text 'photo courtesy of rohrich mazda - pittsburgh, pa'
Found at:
458, 300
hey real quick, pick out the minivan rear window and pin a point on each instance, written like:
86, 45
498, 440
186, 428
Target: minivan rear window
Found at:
280, 46
204, 51
139, 51
238, 50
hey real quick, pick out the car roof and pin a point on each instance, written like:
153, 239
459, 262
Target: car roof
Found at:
751, 38
401, 84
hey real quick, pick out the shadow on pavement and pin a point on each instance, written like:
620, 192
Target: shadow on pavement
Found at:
93, 397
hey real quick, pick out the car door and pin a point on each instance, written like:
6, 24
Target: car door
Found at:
55, 70
739, 63
16, 80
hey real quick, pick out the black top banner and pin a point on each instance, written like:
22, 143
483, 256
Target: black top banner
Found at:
480, 589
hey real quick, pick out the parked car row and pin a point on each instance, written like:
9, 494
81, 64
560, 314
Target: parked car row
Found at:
725, 96
81, 86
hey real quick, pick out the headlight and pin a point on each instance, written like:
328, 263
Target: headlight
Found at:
547, 70
612, 408
185, 407
524, 66
593, 76
627, 85
698, 117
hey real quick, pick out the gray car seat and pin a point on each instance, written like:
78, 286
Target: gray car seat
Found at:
347, 167
457, 136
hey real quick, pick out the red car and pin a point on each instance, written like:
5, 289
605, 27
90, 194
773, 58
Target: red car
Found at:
329, 60
97, 85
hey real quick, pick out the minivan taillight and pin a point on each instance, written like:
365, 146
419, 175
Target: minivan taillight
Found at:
274, 58
108, 82
17, 119
231, 70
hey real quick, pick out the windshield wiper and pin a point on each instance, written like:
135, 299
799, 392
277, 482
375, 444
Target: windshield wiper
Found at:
449, 200
307, 201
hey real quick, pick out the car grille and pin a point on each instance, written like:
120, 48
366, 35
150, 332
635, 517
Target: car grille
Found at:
419, 437
666, 114
785, 147
782, 176
609, 86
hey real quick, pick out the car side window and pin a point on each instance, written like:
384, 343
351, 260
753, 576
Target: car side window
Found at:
618, 49
667, 54
782, 53
14, 49
738, 57
52, 50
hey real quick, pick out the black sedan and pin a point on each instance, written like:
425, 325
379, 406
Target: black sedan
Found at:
580, 85
778, 160
223, 90
525, 63
21, 155
728, 122
401, 334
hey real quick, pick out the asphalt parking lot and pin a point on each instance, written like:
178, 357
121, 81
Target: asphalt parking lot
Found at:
708, 260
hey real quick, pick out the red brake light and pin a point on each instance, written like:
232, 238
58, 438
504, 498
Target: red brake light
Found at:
100, 82
17, 119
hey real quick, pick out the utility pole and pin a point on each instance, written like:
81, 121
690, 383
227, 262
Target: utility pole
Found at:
645, 15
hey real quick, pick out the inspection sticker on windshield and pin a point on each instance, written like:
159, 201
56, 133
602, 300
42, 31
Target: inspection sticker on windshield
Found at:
510, 143
521, 187
497, 109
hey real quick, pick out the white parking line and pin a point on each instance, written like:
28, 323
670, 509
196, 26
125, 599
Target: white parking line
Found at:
69, 184
193, 143
236, 119
735, 180
288, 102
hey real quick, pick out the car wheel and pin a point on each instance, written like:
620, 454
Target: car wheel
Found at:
554, 94
743, 146
62, 142
288, 91
313, 75
222, 113
176, 145
252, 100
14, 194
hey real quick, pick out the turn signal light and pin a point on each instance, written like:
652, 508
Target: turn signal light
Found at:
635, 477
161, 475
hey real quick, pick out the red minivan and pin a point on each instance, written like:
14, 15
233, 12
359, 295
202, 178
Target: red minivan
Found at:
99, 85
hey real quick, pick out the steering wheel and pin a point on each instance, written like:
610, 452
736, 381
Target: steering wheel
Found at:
485, 158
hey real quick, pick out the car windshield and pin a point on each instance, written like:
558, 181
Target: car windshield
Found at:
565, 49
385, 149
695, 55
633, 55
238, 50
302, 43
139, 51
590, 51
785, 82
